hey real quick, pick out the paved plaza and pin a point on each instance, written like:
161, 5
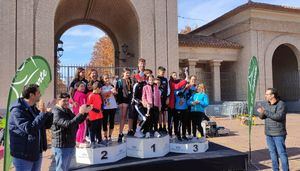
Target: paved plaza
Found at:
238, 140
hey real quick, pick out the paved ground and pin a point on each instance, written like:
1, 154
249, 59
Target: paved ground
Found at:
238, 140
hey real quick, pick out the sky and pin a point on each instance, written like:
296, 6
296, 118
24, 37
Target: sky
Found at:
79, 40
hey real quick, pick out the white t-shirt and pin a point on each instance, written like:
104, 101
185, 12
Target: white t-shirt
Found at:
109, 101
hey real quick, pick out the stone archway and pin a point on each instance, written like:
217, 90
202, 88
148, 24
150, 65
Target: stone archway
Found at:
266, 68
117, 18
285, 73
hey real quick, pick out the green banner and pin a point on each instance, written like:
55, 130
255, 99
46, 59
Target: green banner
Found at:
253, 73
35, 70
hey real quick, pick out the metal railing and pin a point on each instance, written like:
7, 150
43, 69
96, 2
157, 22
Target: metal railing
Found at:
66, 74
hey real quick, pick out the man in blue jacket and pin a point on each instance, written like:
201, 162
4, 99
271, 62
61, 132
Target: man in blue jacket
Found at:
27, 129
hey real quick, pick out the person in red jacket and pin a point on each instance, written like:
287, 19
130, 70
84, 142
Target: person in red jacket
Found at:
174, 84
95, 115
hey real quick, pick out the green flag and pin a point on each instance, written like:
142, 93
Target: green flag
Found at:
252, 83
35, 70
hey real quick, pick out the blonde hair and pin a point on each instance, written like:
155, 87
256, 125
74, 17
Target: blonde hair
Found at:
202, 87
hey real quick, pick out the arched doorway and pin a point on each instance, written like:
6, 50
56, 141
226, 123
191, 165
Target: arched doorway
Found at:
118, 19
285, 72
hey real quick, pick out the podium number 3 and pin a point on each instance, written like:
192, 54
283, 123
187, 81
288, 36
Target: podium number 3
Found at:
153, 147
195, 148
104, 155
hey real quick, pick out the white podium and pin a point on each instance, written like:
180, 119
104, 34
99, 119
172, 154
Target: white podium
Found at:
147, 147
198, 146
100, 155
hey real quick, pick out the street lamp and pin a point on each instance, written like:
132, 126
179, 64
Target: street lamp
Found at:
60, 49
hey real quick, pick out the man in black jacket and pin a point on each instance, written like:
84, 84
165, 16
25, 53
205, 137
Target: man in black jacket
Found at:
64, 128
274, 114
27, 129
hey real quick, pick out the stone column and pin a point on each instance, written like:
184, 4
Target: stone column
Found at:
200, 75
216, 79
192, 66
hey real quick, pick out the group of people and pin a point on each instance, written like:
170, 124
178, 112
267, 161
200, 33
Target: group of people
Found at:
145, 99
155, 106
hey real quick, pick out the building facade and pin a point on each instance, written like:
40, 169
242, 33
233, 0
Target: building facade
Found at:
33, 27
226, 45
218, 52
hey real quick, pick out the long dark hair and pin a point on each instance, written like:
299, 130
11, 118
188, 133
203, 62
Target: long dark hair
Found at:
172, 80
78, 71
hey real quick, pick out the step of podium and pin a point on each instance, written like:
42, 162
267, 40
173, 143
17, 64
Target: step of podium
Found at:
197, 146
106, 154
147, 147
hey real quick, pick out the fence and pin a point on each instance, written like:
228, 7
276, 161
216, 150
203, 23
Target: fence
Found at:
66, 74
227, 109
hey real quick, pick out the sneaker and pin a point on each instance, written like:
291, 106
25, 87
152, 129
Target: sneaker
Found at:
147, 135
199, 135
164, 131
160, 129
138, 134
102, 143
93, 145
84, 145
87, 138
185, 138
179, 138
120, 138
109, 139
156, 134
130, 133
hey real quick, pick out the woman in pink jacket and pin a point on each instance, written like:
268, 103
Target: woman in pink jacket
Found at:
152, 101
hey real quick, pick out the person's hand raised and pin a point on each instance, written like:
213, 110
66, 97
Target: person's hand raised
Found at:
41, 106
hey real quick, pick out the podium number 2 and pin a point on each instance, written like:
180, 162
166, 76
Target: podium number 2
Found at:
195, 148
153, 147
104, 155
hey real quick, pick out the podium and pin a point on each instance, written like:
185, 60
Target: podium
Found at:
147, 147
100, 155
198, 146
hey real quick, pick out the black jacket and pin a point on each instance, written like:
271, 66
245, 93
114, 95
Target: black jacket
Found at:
275, 119
64, 127
27, 131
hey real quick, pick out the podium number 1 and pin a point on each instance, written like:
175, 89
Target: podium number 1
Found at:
153, 147
104, 155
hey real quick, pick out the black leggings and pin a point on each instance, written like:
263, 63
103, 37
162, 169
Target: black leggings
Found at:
95, 130
180, 121
152, 121
171, 113
109, 116
189, 123
197, 118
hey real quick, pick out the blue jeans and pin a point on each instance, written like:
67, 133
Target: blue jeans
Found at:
276, 145
26, 165
63, 157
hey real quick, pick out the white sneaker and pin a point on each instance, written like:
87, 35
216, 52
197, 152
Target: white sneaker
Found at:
84, 145
147, 135
156, 134
87, 138
138, 134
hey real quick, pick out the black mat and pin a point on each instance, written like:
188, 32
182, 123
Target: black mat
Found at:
216, 158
